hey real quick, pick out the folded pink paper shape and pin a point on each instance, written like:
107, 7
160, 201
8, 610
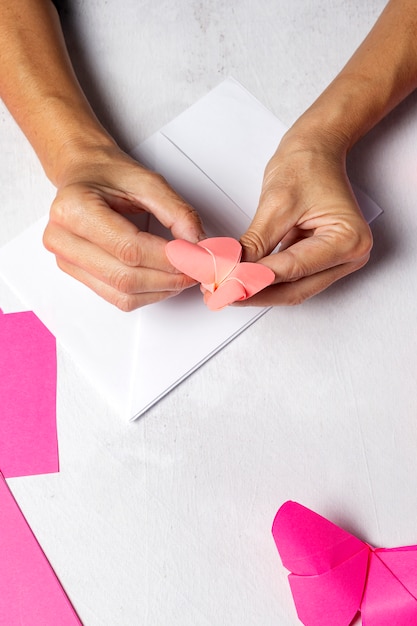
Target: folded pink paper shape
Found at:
215, 263
335, 575
30, 593
28, 434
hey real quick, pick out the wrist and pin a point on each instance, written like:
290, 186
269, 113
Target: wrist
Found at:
78, 155
309, 135
335, 121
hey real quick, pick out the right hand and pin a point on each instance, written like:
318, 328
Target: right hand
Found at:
306, 205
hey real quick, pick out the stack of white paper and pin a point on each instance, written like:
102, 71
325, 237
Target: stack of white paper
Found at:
214, 155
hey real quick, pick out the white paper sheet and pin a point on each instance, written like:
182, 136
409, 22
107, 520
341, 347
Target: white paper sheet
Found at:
214, 154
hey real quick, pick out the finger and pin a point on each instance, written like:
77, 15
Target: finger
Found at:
326, 248
293, 293
91, 219
74, 252
124, 301
294, 236
282, 209
156, 196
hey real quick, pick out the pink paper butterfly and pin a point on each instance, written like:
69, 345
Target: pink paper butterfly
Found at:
215, 263
335, 575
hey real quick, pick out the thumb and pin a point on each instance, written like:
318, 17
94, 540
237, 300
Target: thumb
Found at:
265, 232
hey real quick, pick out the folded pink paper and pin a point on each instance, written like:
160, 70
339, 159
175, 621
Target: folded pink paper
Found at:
30, 593
335, 575
28, 434
215, 263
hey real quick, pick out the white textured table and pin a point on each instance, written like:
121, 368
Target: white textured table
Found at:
166, 521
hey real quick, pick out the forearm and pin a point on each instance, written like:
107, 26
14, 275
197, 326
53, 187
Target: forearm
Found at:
39, 87
381, 73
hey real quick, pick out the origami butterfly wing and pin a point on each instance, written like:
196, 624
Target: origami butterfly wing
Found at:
226, 254
215, 263
209, 261
391, 590
328, 566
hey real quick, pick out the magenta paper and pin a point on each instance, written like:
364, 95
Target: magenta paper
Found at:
28, 435
30, 593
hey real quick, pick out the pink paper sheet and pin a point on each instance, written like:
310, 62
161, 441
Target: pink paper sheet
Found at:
28, 434
335, 575
30, 593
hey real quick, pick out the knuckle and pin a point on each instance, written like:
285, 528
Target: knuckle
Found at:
359, 263
182, 282
297, 293
297, 298
47, 239
365, 244
359, 240
156, 179
61, 264
58, 210
65, 206
253, 244
128, 252
192, 215
125, 303
122, 280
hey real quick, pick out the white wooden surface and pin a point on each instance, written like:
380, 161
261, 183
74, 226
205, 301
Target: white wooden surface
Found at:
166, 521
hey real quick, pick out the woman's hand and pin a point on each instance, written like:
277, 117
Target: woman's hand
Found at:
306, 201
96, 181
96, 244
308, 206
